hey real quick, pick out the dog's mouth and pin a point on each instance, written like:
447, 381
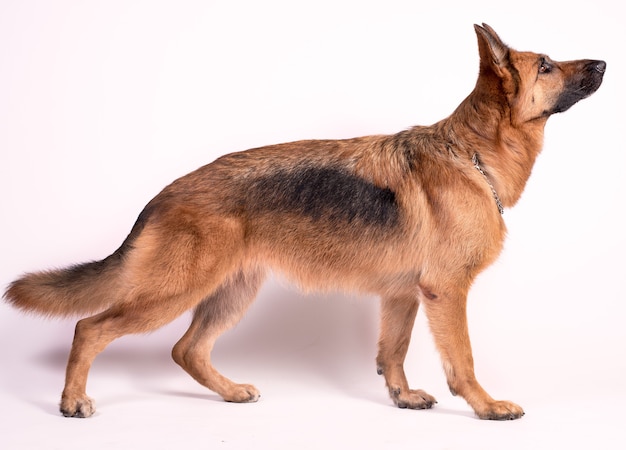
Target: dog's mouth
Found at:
588, 80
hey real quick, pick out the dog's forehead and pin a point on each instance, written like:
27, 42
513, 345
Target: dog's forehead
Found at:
526, 57
524, 61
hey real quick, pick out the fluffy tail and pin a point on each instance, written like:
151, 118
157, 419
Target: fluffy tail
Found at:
78, 290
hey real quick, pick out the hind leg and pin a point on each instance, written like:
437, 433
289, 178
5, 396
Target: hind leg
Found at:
93, 334
86, 346
219, 312
169, 271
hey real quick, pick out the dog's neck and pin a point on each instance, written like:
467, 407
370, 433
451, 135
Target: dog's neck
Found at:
506, 153
496, 197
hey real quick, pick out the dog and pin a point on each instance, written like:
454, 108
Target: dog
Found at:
411, 217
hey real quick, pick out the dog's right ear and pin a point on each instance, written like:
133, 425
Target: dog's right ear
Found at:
494, 53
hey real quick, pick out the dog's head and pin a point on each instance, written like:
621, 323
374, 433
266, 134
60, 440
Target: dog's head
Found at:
535, 86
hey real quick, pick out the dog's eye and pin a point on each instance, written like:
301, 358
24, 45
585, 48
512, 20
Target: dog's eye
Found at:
544, 66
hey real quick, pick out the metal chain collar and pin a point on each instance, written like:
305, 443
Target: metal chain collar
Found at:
493, 190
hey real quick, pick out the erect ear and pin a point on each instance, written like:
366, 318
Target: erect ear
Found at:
493, 52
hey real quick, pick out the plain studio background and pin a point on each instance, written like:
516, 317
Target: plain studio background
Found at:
103, 103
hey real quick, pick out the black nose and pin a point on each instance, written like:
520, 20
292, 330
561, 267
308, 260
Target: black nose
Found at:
600, 66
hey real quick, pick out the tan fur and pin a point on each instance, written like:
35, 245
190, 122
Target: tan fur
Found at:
407, 216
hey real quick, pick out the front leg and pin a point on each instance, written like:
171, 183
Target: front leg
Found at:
397, 319
447, 317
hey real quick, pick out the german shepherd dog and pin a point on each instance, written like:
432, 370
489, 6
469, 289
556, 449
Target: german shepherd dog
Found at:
411, 217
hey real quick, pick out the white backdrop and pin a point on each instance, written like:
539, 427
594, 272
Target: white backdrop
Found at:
102, 103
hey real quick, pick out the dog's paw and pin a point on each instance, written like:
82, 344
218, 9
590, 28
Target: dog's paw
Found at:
500, 410
412, 399
80, 407
242, 393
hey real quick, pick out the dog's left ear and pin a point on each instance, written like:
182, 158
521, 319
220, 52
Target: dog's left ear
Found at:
494, 53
